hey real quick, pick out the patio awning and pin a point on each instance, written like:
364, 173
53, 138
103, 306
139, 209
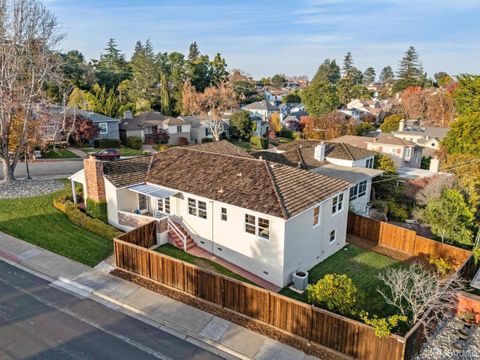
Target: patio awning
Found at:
152, 190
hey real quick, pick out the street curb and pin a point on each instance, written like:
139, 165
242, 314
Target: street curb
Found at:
87, 292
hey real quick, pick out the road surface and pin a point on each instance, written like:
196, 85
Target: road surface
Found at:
38, 321
47, 168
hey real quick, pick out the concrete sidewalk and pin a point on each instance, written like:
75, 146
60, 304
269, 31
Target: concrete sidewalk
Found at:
196, 326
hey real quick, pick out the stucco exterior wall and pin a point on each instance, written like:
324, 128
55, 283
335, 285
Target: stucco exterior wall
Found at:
306, 244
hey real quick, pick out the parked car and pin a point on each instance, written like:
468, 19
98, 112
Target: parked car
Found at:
107, 154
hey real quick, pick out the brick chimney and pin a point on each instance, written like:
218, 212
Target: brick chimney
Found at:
95, 184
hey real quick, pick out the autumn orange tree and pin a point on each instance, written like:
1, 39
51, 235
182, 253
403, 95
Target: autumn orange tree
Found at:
326, 127
212, 103
275, 123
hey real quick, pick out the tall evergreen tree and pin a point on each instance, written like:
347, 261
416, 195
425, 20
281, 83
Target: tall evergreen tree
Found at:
145, 75
165, 95
349, 85
369, 76
328, 71
112, 68
410, 71
218, 69
193, 52
386, 76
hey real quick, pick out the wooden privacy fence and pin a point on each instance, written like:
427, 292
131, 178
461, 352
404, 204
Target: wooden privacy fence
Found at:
401, 239
144, 236
336, 332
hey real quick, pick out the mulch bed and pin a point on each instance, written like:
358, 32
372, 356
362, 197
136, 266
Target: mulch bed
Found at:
254, 325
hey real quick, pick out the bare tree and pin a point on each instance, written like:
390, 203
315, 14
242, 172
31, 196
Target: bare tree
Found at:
28, 35
212, 104
416, 291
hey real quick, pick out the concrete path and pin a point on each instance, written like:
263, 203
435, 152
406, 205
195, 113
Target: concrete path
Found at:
189, 323
149, 148
81, 154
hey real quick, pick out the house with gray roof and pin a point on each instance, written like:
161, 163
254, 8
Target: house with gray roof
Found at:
262, 109
146, 125
268, 218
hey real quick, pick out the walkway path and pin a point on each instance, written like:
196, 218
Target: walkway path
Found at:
78, 152
149, 148
208, 331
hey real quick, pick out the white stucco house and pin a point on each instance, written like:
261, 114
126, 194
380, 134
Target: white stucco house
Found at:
262, 109
336, 160
268, 218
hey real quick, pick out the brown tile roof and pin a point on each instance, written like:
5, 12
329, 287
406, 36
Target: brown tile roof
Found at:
127, 171
389, 139
257, 185
358, 141
332, 149
221, 147
149, 118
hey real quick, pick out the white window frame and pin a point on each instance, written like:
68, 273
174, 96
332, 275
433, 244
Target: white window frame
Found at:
192, 206
355, 192
316, 216
253, 226
362, 188
101, 125
163, 205
223, 214
370, 163
197, 208
334, 232
179, 129
146, 198
337, 203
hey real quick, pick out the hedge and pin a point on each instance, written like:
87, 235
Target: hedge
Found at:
106, 143
206, 140
134, 142
76, 216
97, 210
259, 142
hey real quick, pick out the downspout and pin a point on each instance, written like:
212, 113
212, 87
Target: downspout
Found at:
213, 219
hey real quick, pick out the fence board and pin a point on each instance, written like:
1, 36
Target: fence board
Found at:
291, 316
167, 271
203, 284
245, 299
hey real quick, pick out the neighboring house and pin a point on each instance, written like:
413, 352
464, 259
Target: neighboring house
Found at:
262, 109
405, 153
199, 128
428, 137
108, 128
260, 126
359, 108
146, 125
267, 218
336, 160
275, 96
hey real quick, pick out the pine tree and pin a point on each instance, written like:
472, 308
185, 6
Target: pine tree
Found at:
328, 71
218, 69
369, 76
193, 52
112, 68
387, 76
348, 86
165, 94
145, 75
410, 71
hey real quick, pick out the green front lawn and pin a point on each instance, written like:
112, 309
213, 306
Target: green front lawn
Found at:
172, 251
280, 140
36, 221
362, 266
58, 154
123, 151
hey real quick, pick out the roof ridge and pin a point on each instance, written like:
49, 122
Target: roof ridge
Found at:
347, 150
285, 213
220, 154
302, 160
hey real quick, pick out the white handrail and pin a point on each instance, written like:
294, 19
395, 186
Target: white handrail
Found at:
180, 234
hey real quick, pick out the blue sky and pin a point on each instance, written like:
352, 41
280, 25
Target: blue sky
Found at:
291, 37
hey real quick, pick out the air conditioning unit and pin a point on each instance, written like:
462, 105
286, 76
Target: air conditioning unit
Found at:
300, 280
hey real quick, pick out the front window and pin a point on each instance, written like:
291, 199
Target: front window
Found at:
362, 188
257, 226
163, 205
179, 128
337, 203
354, 192
316, 213
370, 163
202, 209
103, 128
192, 207
224, 214
197, 208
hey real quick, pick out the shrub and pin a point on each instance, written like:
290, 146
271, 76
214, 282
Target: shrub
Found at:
146, 152
182, 141
134, 142
288, 134
336, 293
259, 142
383, 326
207, 140
397, 211
106, 143
162, 147
443, 266
97, 210
76, 216
297, 135
476, 255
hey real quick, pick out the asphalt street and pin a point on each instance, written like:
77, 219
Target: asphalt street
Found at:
47, 168
38, 321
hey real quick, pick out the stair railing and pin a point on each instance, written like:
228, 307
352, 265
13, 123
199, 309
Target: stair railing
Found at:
180, 234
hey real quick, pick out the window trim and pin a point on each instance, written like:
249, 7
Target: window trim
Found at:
142, 196
165, 207
197, 208
316, 216
334, 231
337, 203
223, 214
100, 127
252, 223
360, 185
355, 191
179, 129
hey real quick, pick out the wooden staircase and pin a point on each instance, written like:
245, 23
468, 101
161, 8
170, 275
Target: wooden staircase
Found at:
176, 240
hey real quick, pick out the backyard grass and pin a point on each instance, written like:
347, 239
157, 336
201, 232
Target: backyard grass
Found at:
172, 251
58, 154
123, 151
280, 140
362, 266
36, 221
